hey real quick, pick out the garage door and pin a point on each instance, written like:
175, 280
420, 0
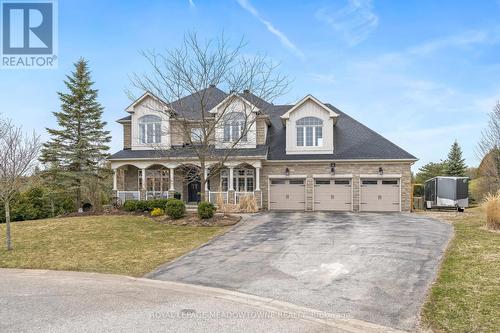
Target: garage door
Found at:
380, 195
287, 194
332, 194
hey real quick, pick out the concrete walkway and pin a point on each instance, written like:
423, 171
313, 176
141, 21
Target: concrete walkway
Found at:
371, 267
52, 301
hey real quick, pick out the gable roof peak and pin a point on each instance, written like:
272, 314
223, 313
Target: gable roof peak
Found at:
309, 97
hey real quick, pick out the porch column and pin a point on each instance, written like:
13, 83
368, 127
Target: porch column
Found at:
171, 174
231, 175
230, 190
115, 186
143, 189
257, 178
205, 173
257, 192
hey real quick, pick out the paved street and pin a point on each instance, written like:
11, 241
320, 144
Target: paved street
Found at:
51, 301
371, 267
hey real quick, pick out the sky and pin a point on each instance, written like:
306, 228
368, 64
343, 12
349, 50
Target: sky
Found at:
422, 73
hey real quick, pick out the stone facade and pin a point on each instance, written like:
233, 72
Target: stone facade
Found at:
355, 168
127, 135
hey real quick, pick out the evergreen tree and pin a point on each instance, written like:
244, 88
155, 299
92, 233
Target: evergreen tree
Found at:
455, 165
79, 146
430, 170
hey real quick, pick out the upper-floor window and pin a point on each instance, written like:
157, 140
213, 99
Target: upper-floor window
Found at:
309, 132
196, 134
234, 127
150, 129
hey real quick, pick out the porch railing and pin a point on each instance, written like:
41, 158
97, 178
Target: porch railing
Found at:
213, 197
156, 195
128, 195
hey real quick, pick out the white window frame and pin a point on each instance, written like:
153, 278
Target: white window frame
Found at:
315, 130
234, 127
247, 174
149, 127
196, 134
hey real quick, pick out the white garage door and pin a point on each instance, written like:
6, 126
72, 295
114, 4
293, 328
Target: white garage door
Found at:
379, 195
287, 194
332, 194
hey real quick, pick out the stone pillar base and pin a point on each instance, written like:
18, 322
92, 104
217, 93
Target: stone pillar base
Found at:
258, 198
230, 197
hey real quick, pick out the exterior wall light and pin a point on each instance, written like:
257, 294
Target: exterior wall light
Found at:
380, 171
287, 172
332, 168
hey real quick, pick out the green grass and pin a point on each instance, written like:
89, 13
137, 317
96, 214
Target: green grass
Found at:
466, 295
130, 245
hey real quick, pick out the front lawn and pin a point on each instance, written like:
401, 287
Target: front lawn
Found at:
466, 295
130, 245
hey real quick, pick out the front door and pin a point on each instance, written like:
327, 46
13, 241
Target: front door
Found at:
194, 189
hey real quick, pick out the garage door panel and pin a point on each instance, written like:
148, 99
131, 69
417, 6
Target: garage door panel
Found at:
330, 194
287, 194
380, 195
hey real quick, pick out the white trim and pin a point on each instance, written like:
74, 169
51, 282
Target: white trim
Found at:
385, 175
286, 177
305, 99
375, 161
214, 109
329, 175
130, 108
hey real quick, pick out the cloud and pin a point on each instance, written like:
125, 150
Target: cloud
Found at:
355, 21
191, 4
466, 38
246, 5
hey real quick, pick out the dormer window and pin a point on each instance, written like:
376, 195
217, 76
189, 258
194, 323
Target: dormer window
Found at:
234, 127
309, 132
149, 129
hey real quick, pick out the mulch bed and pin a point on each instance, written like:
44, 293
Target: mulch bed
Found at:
192, 219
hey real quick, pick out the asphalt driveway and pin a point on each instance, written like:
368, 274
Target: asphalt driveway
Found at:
371, 267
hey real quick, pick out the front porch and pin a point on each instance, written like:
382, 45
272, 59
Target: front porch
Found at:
227, 184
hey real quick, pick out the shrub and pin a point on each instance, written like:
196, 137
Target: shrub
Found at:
130, 205
492, 206
175, 208
157, 212
157, 203
143, 206
248, 204
206, 210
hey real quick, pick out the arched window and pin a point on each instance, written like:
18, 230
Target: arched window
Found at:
309, 132
234, 127
150, 129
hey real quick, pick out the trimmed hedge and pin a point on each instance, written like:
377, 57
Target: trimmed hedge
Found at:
175, 208
206, 210
145, 205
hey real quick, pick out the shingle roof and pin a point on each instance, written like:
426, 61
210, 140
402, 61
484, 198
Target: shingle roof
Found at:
180, 152
189, 106
352, 140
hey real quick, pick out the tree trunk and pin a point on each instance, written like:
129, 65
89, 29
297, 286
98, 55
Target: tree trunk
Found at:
78, 194
7, 225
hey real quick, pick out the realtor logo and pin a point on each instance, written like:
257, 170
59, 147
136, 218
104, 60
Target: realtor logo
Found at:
29, 33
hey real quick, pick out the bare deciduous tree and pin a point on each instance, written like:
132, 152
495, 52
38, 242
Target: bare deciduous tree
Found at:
18, 156
194, 68
488, 151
